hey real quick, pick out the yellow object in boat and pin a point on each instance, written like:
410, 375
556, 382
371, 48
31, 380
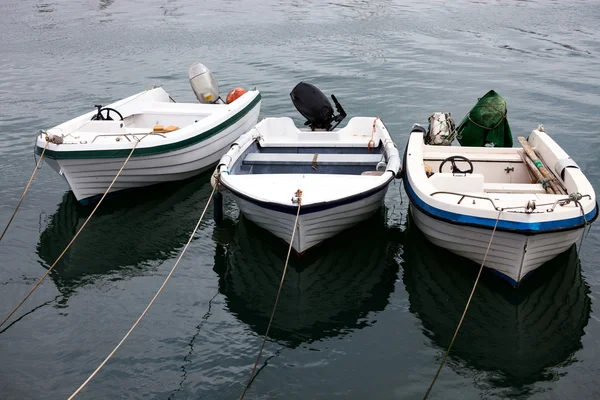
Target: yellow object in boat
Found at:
428, 170
162, 129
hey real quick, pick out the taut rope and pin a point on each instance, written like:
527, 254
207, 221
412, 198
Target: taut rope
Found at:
299, 199
37, 166
149, 304
74, 237
465, 311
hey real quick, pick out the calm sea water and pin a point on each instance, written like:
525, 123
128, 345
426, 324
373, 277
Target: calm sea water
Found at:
367, 315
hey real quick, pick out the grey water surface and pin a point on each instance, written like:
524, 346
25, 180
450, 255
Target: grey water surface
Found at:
368, 314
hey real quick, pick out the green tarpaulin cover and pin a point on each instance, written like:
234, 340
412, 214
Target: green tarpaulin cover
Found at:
486, 123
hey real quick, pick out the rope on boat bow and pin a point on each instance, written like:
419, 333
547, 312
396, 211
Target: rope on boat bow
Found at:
58, 140
371, 143
296, 199
74, 237
575, 198
149, 304
466, 308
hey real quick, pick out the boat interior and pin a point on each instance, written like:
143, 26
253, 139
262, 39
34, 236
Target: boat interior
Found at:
310, 160
157, 118
282, 148
494, 170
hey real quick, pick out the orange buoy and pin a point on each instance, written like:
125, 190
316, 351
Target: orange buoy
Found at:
234, 94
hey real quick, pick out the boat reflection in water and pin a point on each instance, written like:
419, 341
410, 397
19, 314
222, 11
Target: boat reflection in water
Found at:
127, 236
515, 337
327, 292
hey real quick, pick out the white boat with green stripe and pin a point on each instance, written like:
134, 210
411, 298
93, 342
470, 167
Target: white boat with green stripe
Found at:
175, 141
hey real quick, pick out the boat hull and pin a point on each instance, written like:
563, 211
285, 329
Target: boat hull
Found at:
89, 178
313, 227
512, 255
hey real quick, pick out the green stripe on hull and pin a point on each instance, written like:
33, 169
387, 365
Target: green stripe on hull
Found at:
123, 153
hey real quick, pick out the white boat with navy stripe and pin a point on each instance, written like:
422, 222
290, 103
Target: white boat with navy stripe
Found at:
458, 211
343, 175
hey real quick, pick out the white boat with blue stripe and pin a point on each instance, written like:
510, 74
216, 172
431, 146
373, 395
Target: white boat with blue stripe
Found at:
458, 193
343, 174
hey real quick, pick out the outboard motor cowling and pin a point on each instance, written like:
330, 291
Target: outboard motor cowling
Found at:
418, 128
315, 107
203, 83
442, 130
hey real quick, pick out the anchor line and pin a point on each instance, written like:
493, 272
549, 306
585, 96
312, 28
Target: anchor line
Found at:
186, 359
465, 311
29, 312
74, 237
576, 197
266, 363
37, 166
299, 200
149, 304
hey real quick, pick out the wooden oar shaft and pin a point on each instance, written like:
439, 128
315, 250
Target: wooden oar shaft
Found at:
539, 165
559, 185
530, 170
536, 172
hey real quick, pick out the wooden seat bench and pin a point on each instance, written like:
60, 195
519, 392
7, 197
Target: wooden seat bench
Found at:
311, 159
513, 188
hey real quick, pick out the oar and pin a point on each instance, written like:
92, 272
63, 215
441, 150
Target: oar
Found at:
538, 164
530, 170
561, 187
538, 175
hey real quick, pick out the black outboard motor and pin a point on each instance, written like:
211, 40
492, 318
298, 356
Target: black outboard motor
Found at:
315, 107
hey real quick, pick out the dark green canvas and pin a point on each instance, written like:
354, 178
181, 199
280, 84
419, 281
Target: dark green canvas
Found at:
486, 123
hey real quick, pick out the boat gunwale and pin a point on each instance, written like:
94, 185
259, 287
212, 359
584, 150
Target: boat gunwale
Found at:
314, 207
488, 223
202, 135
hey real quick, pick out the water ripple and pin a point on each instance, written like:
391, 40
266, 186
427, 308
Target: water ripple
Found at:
371, 306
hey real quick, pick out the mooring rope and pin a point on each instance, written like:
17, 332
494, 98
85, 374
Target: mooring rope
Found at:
466, 308
576, 197
37, 166
44, 150
149, 304
299, 199
74, 237
371, 143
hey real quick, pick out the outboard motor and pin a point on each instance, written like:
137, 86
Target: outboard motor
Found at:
442, 130
204, 84
418, 128
315, 107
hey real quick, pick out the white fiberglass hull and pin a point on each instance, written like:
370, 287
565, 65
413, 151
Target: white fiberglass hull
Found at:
313, 227
459, 210
340, 177
512, 255
89, 178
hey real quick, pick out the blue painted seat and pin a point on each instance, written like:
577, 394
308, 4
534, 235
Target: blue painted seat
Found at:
311, 159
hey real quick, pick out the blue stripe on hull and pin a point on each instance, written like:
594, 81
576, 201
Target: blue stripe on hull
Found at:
508, 279
526, 228
515, 284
